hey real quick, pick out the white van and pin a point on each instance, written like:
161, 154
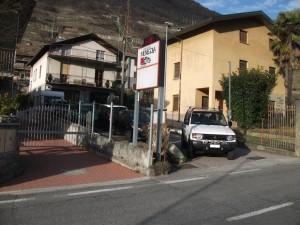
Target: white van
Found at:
49, 97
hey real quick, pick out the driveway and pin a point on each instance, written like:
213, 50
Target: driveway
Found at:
57, 167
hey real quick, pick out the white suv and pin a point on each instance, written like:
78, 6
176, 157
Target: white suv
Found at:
206, 131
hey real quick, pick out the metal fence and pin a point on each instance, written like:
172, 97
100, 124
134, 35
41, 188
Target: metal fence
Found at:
280, 131
52, 126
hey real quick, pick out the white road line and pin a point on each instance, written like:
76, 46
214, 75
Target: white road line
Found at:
255, 213
16, 200
99, 191
244, 171
184, 180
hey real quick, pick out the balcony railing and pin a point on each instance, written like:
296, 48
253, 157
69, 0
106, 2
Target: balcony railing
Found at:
84, 54
78, 80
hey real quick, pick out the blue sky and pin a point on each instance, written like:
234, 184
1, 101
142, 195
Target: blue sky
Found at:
269, 7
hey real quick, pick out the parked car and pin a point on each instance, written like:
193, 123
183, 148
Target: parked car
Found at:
123, 124
58, 102
206, 131
85, 108
103, 118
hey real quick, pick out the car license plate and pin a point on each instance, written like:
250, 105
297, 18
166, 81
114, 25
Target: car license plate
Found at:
214, 146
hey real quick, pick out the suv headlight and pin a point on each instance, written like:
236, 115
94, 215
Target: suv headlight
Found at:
230, 137
197, 136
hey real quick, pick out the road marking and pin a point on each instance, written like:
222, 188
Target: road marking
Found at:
255, 213
184, 180
16, 200
244, 171
99, 191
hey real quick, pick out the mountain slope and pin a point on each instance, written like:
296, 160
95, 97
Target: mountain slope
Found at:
72, 18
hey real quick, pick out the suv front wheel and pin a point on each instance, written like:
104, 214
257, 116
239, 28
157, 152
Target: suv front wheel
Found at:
183, 142
190, 152
230, 155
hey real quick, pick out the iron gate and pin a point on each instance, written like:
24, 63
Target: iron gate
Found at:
281, 127
53, 126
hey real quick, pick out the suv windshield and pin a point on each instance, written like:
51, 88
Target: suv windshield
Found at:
143, 117
208, 118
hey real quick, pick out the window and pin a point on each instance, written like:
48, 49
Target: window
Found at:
204, 102
40, 73
175, 102
99, 78
66, 50
177, 70
272, 70
243, 36
34, 75
243, 65
65, 68
99, 55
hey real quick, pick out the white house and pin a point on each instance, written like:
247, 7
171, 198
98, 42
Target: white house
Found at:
85, 68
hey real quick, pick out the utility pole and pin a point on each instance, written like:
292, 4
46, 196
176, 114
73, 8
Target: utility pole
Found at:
123, 70
128, 27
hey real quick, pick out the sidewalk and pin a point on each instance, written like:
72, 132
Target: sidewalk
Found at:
46, 167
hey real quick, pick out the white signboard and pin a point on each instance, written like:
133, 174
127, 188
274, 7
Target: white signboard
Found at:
148, 66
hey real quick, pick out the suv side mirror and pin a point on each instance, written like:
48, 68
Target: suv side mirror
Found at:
230, 123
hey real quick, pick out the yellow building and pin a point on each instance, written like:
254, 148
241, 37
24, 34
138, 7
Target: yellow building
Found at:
198, 56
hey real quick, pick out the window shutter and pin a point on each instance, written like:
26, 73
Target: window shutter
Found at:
177, 70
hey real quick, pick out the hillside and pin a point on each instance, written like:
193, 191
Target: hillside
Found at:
72, 18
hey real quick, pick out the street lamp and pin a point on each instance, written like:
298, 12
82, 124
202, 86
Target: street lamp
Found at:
167, 24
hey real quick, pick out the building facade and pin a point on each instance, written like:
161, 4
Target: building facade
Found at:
85, 69
198, 56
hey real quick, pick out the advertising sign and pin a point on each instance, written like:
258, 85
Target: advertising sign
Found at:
148, 66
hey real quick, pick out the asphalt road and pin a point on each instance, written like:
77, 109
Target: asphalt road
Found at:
255, 188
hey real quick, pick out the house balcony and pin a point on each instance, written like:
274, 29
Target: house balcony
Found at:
87, 58
53, 79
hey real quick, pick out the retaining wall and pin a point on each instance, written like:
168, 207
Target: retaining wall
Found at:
121, 152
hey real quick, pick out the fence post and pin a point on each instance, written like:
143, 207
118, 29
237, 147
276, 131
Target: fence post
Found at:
297, 127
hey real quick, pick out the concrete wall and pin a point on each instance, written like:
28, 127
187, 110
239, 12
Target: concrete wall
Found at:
77, 134
38, 74
121, 152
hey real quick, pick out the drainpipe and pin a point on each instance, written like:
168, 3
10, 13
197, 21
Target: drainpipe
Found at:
179, 94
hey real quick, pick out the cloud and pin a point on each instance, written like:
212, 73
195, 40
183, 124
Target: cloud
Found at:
294, 4
213, 3
270, 7
269, 3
